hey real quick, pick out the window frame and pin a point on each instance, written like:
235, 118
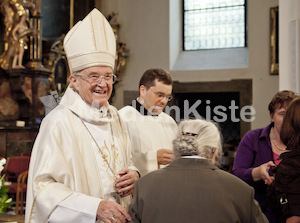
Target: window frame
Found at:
182, 32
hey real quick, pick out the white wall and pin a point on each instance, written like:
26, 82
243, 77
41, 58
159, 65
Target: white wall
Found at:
289, 45
145, 30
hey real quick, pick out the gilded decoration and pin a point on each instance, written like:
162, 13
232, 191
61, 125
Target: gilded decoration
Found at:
18, 28
20, 62
25, 79
274, 41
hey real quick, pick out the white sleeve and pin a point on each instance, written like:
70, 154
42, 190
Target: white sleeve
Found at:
78, 208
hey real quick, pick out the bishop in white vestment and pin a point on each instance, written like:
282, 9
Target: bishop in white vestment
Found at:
81, 168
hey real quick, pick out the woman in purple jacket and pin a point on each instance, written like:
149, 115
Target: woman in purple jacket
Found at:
259, 151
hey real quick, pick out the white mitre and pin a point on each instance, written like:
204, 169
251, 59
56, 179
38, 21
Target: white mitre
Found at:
91, 42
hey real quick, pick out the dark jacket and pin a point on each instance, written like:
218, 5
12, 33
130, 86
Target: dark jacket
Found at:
193, 190
284, 192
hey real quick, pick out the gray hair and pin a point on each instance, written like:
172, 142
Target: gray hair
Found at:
198, 137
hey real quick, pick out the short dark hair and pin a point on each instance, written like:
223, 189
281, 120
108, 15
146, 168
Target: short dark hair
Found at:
150, 75
290, 128
281, 99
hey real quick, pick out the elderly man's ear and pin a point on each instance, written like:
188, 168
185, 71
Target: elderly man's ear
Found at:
74, 82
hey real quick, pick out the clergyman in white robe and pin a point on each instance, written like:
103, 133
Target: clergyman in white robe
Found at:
148, 134
68, 177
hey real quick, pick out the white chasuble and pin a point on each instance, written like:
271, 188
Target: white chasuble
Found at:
110, 158
67, 175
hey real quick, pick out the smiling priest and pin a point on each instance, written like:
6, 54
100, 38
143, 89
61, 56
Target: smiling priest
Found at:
80, 168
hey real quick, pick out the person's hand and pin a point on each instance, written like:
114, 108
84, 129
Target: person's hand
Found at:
293, 219
110, 211
262, 173
125, 183
164, 156
268, 181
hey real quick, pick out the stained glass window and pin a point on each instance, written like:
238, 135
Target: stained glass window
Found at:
214, 24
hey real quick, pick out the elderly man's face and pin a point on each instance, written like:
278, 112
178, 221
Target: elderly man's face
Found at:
94, 92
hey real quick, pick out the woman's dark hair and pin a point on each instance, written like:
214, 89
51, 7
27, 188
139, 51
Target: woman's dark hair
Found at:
281, 99
290, 128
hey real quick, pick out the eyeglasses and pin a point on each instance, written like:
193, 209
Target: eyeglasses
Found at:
95, 78
162, 95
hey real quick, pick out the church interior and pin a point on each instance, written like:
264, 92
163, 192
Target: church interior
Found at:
148, 35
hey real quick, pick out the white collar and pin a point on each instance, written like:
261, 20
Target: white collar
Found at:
73, 101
